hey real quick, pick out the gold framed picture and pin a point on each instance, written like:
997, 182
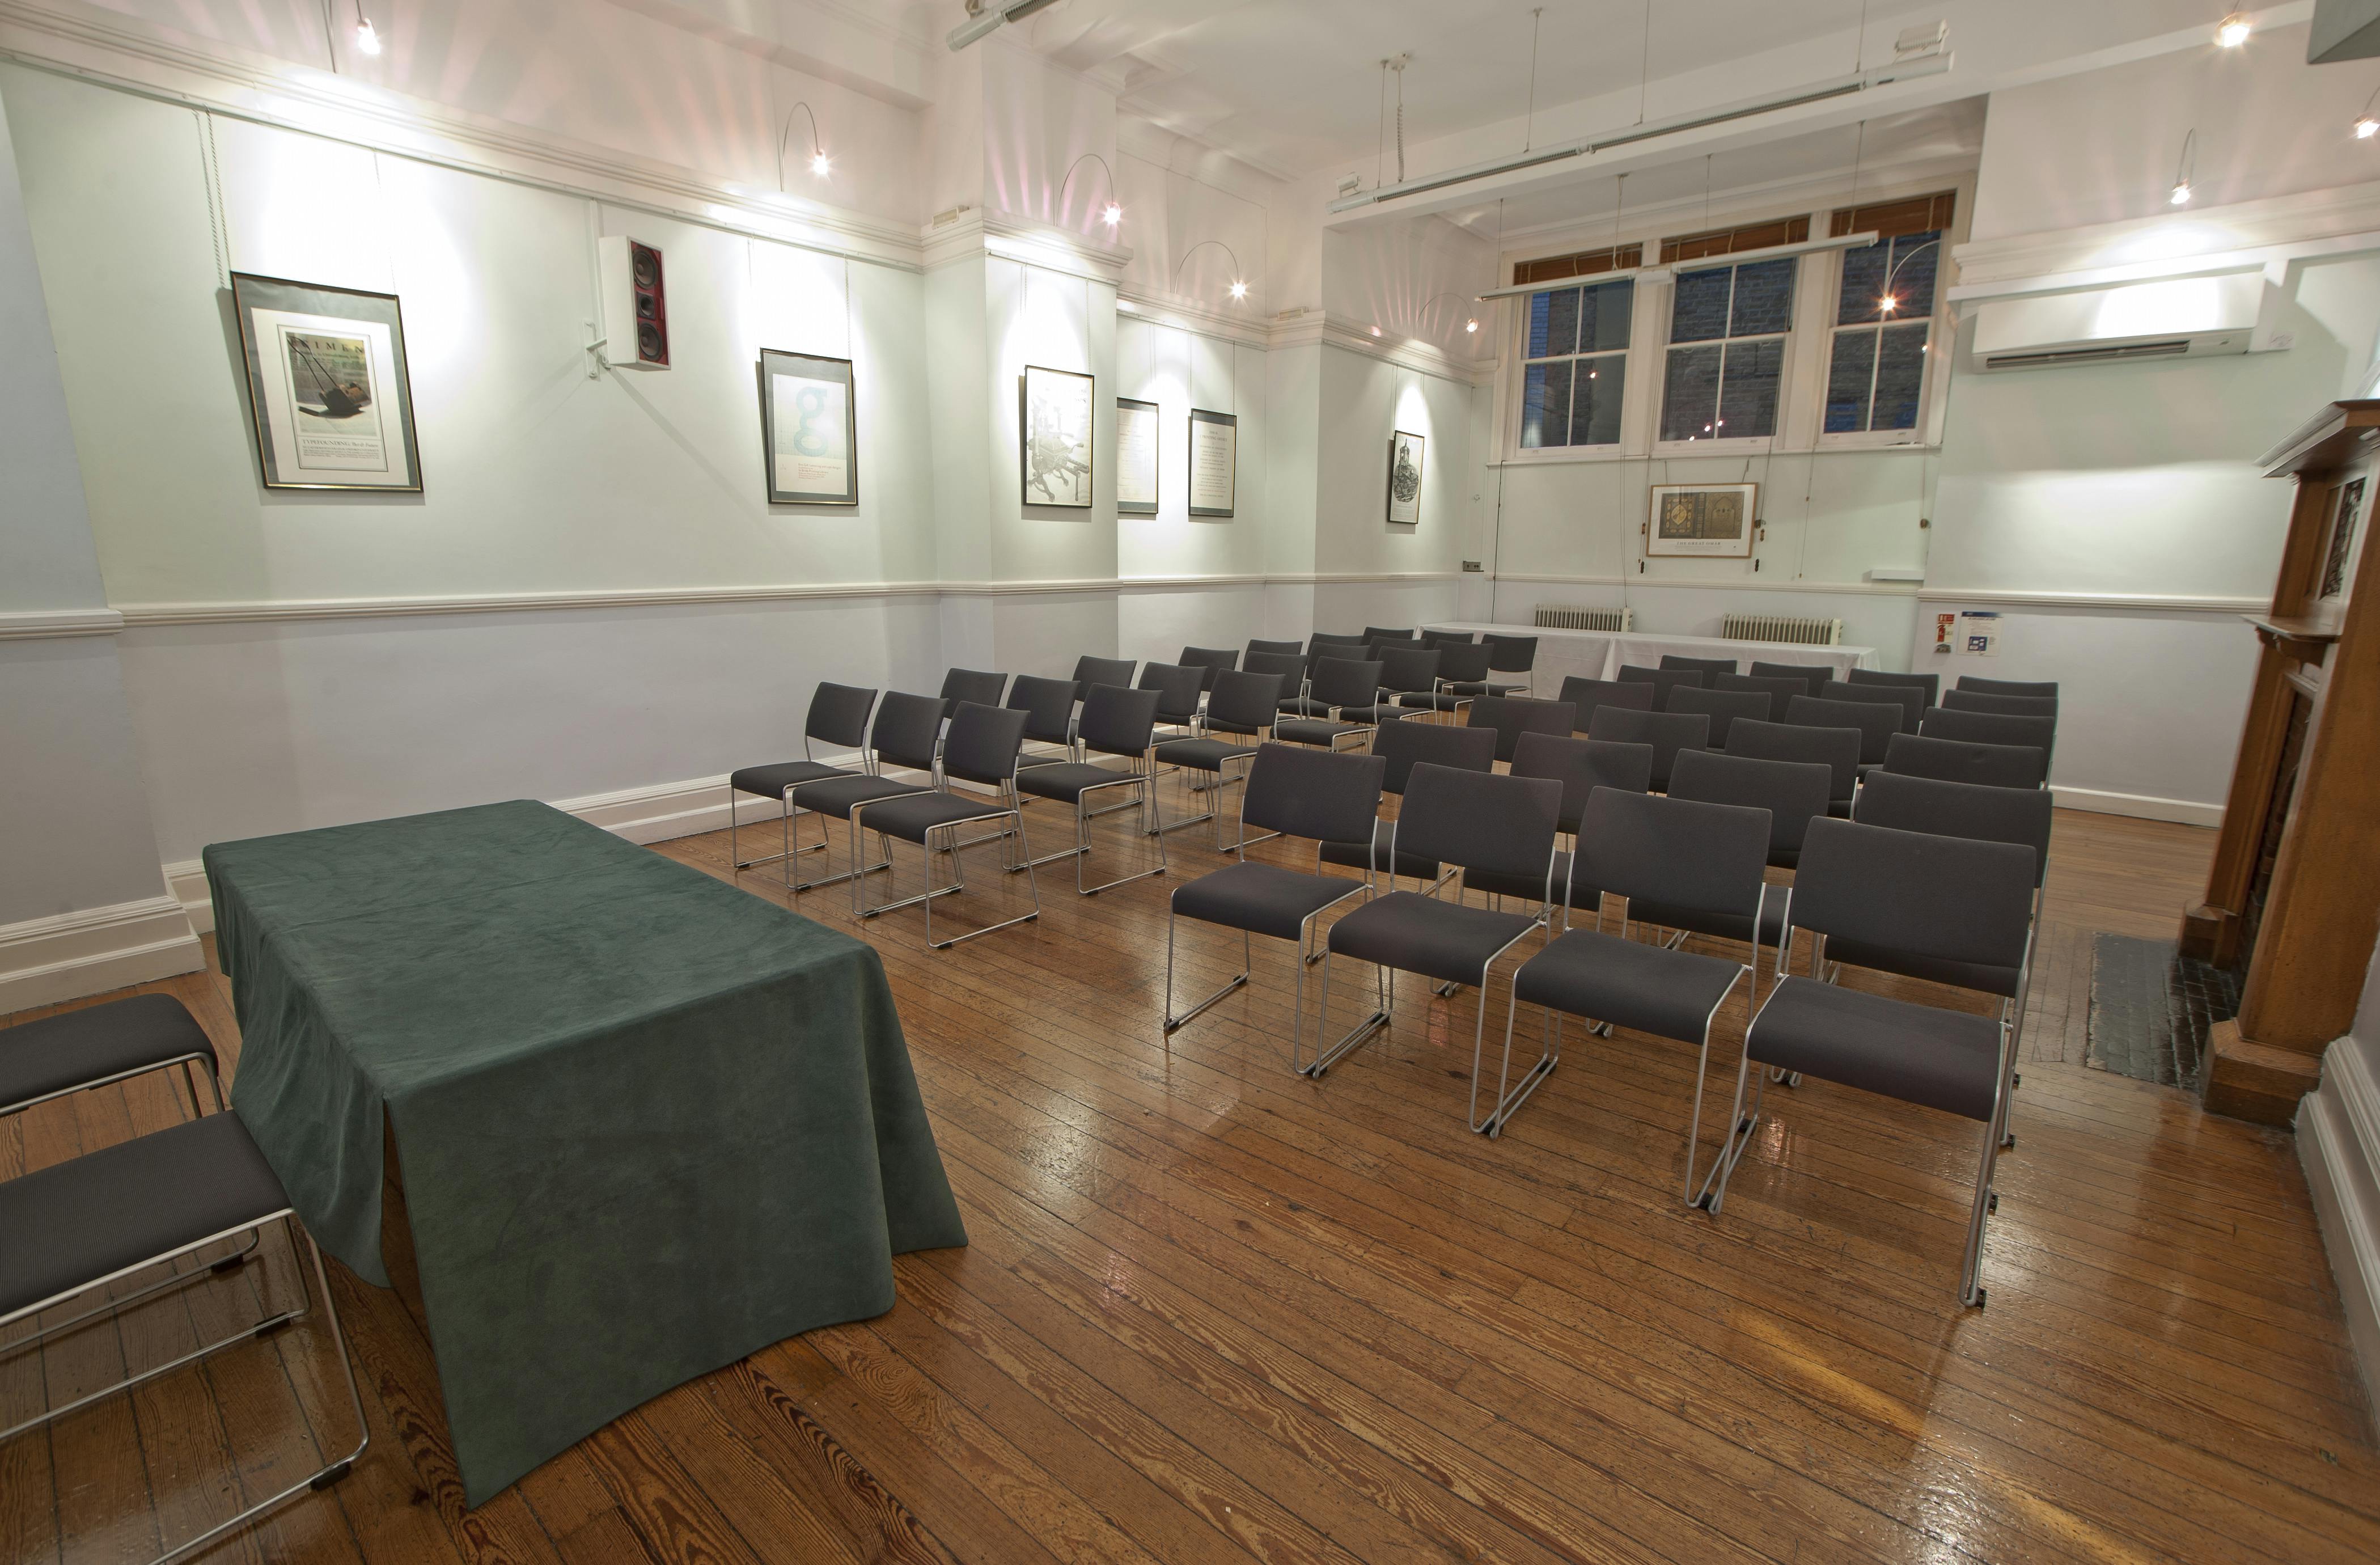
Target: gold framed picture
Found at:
1703, 519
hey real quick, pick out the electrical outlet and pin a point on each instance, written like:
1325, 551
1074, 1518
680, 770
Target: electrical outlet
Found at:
1471, 564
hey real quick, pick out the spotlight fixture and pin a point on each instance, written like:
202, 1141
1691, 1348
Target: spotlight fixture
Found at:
985, 15
2232, 31
1239, 285
367, 37
2367, 125
820, 164
1888, 304
1239, 289
1472, 324
1111, 214
2180, 196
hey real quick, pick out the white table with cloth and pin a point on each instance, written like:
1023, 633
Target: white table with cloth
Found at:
1597, 654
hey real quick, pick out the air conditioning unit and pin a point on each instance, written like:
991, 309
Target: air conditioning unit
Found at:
2174, 317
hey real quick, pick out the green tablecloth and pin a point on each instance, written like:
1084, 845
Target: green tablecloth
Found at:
648, 1123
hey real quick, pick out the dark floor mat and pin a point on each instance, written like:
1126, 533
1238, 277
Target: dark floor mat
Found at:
2152, 1007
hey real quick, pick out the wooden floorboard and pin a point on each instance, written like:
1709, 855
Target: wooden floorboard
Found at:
1214, 1311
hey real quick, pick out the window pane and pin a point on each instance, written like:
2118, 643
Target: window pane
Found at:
1603, 316
1847, 381
1561, 323
1899, 374
1764, 297
1540, 306
1545, 406
1595, 400
1699, 312
1747, 407
1863, 273
1690, 400
1916, 258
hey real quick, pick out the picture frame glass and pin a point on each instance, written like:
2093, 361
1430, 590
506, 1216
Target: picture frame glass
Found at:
809, 429
329, 391
2342, 547
1406, 452
1054, 438
1214, 463
1136, 457
1701, 520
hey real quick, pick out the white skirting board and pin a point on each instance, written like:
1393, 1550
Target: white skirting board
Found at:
2338, 1143
67, 956
2147, 807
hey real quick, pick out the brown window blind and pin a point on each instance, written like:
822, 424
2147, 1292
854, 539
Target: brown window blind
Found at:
1727, 242
1584, 263
1917, 215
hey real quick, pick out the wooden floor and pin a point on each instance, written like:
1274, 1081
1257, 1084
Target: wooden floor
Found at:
1213, 1311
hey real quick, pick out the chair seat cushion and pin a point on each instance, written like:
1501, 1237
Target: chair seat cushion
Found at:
94, 1043
835, 796
1445, 941
1426, 701
1722, 926
1667, 993
911, 816
1531, 888
1202, 754
1483, 687
75, 1222
1264, 899
1302, 706
1944, 1060
2001, 981
770, 781
1387, 711
1069, 780
1352, 856
1314, 731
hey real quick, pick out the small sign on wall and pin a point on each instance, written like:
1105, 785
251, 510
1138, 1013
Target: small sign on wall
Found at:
1974, 632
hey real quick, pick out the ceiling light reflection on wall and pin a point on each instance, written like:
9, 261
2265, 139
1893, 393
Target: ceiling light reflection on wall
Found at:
2232, 31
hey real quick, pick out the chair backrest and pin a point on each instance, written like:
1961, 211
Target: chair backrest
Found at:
1482, 820
1513, 654
1214, 660
1375, 633
1408, 668
1290, 666
1711, 667
1244, 703
1104, 671
982, 744
1662, 680
1794, 793
1956, 760
905, 729
1341, 681
1117, 721
972, 685
1332, 639
1875, 722
1812, 676
1991, 728
1511, 716
1668, 733
1448, 638
1961, 810
1949, 899
1585, 695
1406, 745
1679, 852
2010, 706
838, 715
1294, 649
2009, 686
1177, 688
1837, 749
1929, 682
1778, 691
1303, 791
1581, 766
1905, 699
1722, 707
1465, 663
1047, 705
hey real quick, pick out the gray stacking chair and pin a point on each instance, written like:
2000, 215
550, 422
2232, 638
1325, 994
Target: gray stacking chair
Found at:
1779, 691
1511, 716
1812, 676
906, 733
1291, 792
1711, 668
1291, 649
2007, 705
1875, 721
77, 1227
1214, 660
1090, 671
2009, 686
1332, 639
981, 747
1115, 722
1048, 708
1580, 766
1722, 707
1929, 682
1375, 633
1178, 688
1584, 696
1687, 855
1668, 733
1905, 699
1794, 793
1321, 652
1955, 760
1462, 667
971, 685
1338, 686
1290, 669
1837, 749
1242, 705
1662, 680
838, 716
1405, 671
1962, 903
1404, 745
1992, 728
1449, 639
1506, 654
1474, 821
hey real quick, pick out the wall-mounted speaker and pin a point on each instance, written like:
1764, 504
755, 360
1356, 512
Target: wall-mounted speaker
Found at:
635, 306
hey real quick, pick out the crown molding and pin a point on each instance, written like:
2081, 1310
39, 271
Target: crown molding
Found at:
2169, 243
969, 231
1304, 328
1189, 315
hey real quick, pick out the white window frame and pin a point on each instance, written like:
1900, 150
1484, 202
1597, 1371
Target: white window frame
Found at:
1923, 432
1519, 380
1787, 400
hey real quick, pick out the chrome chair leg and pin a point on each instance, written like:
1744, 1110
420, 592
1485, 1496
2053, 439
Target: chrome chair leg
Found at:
1509, 1099
1740, 1138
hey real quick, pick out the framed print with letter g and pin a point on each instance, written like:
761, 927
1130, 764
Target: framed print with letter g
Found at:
809, 429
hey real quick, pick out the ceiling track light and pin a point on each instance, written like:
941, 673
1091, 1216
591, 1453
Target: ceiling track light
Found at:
820, 164
984, 16
1112, 213
1239, 284
2233, 29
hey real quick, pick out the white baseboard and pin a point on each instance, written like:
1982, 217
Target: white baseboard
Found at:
2338, 1143
2147, 807
67, 956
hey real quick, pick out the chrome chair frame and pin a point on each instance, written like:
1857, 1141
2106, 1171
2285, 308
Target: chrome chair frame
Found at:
1008, 804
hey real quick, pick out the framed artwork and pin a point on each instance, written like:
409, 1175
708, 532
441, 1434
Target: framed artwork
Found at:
2339, 551
809, 429
1404, 478
1136, 458
326, 385
1703, 519
1214, 462
1054, 437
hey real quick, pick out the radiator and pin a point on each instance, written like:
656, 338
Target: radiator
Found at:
1781, 627
1571, 616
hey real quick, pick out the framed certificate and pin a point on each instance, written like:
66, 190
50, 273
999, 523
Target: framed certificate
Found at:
1136, 458
1404, 478
327, 386
1214, 462
809, 429
1054, 437
1703, 519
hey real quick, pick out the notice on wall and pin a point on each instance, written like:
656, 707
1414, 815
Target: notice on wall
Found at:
1214, 461
1135, 457
1978, 633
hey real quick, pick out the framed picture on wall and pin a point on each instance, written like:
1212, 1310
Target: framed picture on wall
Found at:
1136, 458
1703, 519
2339, 548
327, 386
1404, 478
1214, 462
809, 429
1054, 437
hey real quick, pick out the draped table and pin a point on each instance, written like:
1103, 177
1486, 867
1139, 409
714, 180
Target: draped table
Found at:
1597, 654
648, 1123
